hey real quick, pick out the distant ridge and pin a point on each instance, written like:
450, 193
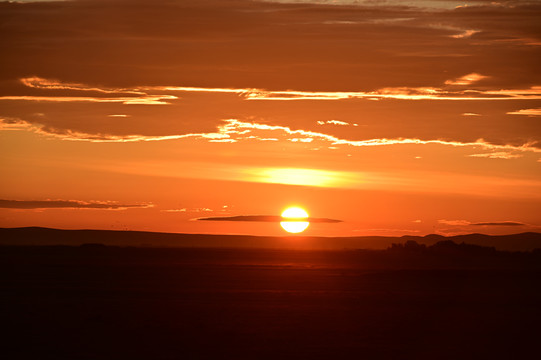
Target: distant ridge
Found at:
47, 236
514, 242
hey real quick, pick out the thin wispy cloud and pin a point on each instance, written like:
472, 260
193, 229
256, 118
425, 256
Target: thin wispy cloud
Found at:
143, 100
335, 122
454, 222
526, 112
36, 82
266, 218
466, 79
485, 223
66, 204
464, 34
497, 155
400, 93
405, 93
499, 223
234, 130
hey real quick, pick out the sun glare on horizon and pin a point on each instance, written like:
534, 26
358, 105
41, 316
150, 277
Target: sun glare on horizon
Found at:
294, 216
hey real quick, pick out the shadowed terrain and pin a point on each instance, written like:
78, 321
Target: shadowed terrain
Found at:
410, 301
46, 236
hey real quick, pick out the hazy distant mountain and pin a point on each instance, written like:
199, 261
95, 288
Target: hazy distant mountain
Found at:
46, 236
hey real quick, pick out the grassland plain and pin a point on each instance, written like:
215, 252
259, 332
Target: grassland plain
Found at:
445, 301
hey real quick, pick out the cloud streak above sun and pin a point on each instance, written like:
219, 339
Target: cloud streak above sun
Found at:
234, 131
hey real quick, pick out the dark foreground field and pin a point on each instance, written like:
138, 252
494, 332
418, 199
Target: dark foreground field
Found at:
97, 302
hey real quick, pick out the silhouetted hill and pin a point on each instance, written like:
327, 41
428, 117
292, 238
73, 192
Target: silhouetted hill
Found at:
514, 242
46, 236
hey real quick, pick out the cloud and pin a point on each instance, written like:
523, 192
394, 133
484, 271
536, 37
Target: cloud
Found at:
233, 130
266, 218
401, 93
141, 100
335, 122
37, 82
487, 223
500, 223
389, 230
194, 210
465, 34
527, 112
454, 222
498, 155
466, 79
71, 135
233, 127
72, 204
201, 209
60, 92
280, 45
92, 118
404, 93
209, 60
532, 93
7, 124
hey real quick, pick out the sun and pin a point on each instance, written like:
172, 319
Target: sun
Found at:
296, 220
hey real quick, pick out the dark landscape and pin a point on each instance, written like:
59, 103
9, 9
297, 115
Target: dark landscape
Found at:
447, 300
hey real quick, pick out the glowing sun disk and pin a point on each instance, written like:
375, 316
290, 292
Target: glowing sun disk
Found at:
295, 215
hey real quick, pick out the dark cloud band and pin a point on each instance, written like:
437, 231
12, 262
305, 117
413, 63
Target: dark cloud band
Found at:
501, 223
266, 218
59, 204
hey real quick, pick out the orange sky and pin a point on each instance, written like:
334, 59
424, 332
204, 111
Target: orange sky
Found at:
398, 118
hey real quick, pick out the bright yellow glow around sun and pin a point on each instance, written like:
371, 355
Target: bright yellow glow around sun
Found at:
293, 176
294, 216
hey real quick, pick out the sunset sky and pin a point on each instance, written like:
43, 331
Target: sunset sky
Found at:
396, 117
